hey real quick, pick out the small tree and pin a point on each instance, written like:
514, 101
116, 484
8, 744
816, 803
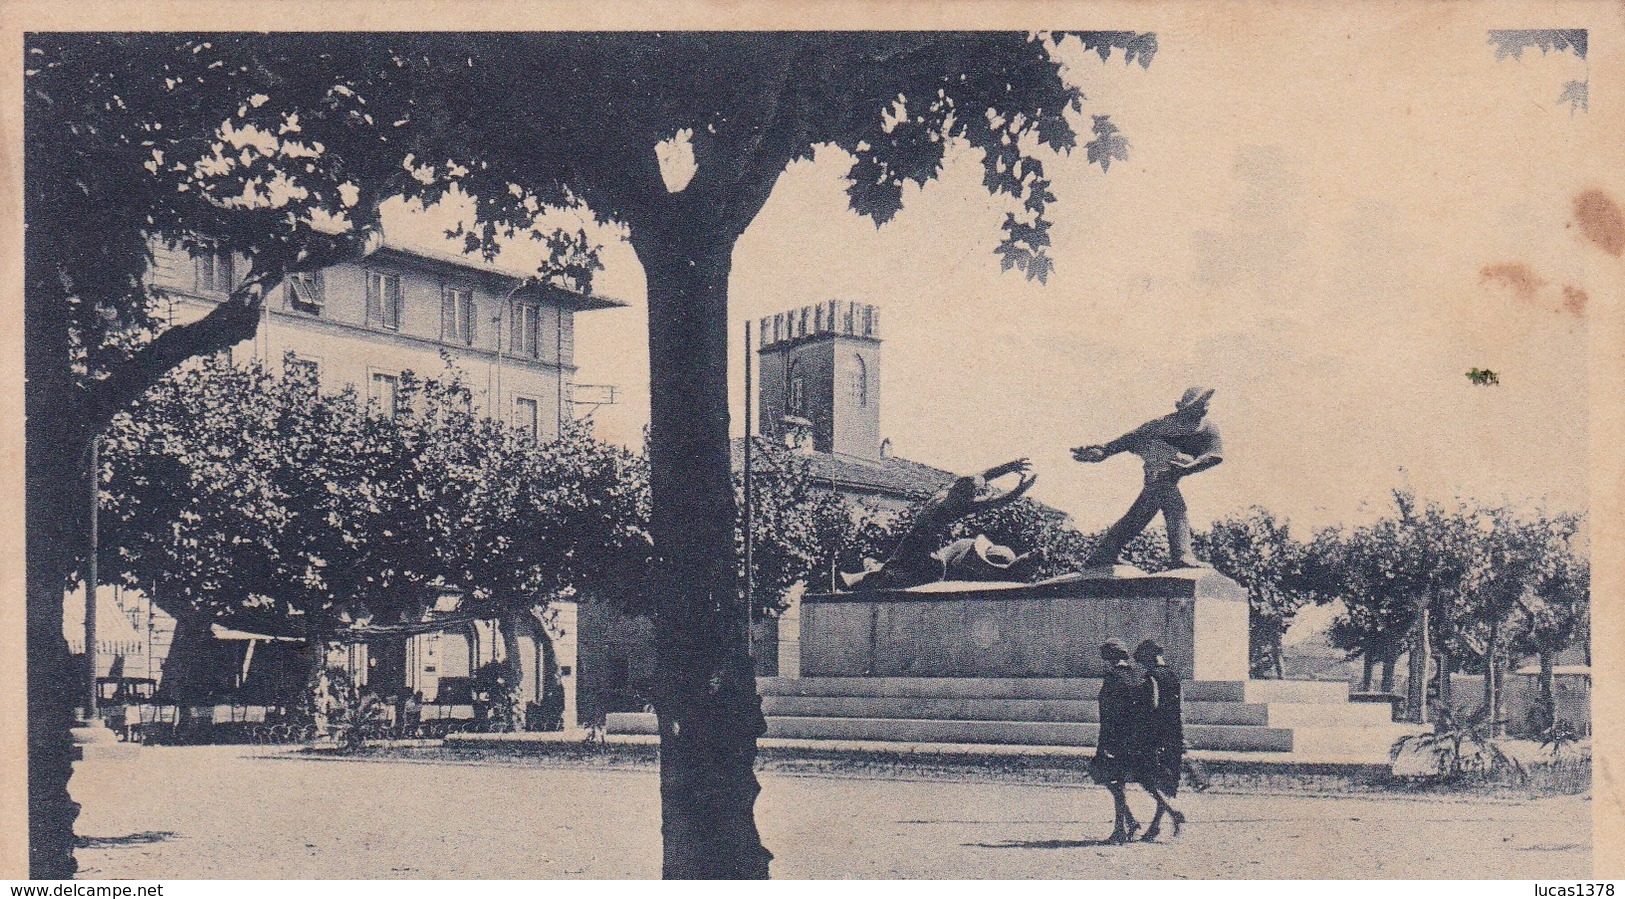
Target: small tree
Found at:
1258, 551
1557, 610
1517, 556
1377, 611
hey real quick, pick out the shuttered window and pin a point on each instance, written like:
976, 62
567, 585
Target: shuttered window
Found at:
526, 415
457, 315
306, 292
384, 300
523, 337
216, 273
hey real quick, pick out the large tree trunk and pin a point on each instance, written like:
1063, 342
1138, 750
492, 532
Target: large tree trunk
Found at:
57, 448
1390, 658
52, 521
1369, 666
708, 708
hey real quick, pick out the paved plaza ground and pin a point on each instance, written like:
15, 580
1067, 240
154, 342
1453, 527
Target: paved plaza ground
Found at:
243, 812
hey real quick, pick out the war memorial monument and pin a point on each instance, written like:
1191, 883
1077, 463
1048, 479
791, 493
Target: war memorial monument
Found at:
952, 646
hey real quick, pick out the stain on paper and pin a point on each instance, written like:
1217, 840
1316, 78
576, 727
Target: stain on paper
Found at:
1601, 221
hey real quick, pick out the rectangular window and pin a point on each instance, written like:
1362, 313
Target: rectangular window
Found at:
384, 300
457, 315
526, 415
306, 292
386, 392
523, 335
215, 273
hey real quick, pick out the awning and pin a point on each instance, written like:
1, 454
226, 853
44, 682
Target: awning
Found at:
221, 632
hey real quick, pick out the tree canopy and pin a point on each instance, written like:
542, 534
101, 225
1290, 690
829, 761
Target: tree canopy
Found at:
1258, 551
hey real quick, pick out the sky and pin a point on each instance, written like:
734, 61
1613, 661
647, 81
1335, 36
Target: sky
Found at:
1329, 225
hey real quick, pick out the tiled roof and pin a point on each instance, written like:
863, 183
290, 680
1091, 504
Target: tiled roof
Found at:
894, 477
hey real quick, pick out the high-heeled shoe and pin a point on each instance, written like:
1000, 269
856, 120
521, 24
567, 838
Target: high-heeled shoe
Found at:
1124, 833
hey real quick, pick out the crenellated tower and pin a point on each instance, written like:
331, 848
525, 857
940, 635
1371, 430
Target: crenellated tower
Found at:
819, 374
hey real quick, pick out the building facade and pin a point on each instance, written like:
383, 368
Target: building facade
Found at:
365, 325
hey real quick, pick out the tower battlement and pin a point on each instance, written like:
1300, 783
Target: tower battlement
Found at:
834, 317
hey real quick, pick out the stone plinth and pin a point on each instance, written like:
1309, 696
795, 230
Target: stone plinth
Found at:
1049, 629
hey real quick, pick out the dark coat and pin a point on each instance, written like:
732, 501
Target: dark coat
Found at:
1161, 749
1122, 708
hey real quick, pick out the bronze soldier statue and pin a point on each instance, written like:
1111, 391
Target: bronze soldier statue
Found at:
1172, 447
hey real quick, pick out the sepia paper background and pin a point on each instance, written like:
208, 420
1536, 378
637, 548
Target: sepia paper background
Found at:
1288, 73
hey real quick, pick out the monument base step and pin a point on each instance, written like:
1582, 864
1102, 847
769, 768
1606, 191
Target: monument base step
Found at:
1003, 750
1083, 711
1303, 719
1027, 733
1077, 688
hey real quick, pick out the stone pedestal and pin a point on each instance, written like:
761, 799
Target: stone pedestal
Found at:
1052, 629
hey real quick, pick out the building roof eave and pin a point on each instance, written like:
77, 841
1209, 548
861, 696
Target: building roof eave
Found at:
571, 299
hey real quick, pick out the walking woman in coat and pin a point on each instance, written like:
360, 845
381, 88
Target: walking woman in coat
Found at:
1161, 752
1122, 698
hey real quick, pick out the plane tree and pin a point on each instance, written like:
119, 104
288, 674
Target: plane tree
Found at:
241, 496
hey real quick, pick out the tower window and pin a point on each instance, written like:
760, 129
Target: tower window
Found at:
795, 397
860, 381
